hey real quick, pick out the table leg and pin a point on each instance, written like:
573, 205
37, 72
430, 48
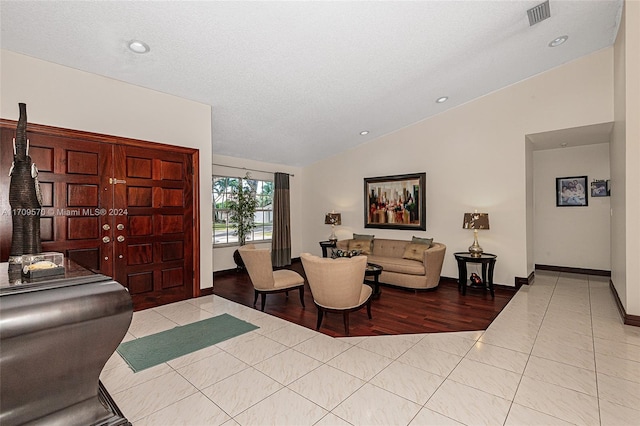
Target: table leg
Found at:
462, 276
492, 264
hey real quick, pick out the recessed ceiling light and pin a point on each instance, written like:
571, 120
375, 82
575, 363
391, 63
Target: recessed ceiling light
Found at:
138, 46
558, 41
442, 99
364, 132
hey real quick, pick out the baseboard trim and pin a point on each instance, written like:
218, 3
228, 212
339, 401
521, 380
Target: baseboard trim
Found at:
571, 270
633, 320
520, 281
206, 291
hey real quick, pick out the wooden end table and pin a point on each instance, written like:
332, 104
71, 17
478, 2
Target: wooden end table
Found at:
487, 260
327, 244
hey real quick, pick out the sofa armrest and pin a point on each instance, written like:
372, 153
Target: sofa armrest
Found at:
433, 261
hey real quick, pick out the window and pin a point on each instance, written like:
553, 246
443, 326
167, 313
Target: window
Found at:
223, 229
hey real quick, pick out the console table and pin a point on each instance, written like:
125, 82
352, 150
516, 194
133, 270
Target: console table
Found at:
56, 336
487, 260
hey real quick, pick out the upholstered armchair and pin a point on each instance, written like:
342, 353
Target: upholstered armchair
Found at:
337, 285
264, 279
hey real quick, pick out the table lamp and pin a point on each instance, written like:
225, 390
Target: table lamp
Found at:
475, 221
333, 219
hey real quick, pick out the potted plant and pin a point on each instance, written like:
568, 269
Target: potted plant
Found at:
242, 208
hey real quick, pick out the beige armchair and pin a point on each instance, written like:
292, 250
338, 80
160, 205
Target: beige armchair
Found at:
337, 285
265, 280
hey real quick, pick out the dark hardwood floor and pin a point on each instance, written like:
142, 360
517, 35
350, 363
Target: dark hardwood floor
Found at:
396, 311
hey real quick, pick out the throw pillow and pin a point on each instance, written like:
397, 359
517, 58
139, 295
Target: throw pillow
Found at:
344, 253
418, 240
363, 245
415, 251
363, 237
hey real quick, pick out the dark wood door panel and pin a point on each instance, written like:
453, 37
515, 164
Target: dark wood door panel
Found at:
157, 191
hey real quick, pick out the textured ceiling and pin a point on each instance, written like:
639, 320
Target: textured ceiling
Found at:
295, 82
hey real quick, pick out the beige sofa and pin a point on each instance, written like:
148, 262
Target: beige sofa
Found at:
403, 272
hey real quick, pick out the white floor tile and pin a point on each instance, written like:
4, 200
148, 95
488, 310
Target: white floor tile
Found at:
146, 398
322, 347
388, 346
468, 405
287, 366
431, 360
428, 417
567, 376
487, 378
212, 369
195, 409
360, 363
408, 382
326, 386
371, 405
242, 390
283, 408
496, 356
566, 404
619, 391
519, 415
617, 415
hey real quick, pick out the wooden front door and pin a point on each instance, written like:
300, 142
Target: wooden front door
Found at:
119, 207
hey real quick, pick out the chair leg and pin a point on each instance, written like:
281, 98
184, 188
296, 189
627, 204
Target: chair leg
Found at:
286, 294
345, 315
302, 296
255, 299
369, 308
320, 313
263, 299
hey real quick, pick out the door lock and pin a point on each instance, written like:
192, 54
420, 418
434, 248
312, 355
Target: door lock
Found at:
106, 227
120, 227
120, 238
106, 240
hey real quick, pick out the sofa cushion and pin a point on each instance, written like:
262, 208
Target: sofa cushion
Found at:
418, 240
399, 265
363, 245
415, 251
363, 237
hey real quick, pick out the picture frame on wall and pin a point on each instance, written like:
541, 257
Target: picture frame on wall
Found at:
571, 191
396, 202
599, 188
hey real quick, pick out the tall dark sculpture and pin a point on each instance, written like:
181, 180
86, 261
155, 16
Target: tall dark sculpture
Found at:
24, 196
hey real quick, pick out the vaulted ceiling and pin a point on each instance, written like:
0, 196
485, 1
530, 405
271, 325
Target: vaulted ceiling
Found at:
295, 82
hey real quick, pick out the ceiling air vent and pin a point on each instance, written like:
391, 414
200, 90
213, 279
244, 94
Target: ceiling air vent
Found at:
539, 13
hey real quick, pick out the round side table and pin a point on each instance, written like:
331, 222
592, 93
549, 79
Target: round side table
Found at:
487, 260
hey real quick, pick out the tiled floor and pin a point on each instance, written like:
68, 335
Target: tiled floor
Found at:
558, 354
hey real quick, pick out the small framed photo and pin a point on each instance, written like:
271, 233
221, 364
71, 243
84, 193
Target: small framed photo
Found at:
599, 188
571, 191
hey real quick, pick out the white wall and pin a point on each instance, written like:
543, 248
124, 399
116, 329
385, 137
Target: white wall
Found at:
64, 97
577, 237
625, 152
223, 256
474, 157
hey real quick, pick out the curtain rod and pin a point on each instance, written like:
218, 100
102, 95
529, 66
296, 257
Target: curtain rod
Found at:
250, 170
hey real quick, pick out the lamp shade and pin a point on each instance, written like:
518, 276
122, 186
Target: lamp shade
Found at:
333, 219
476, 221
